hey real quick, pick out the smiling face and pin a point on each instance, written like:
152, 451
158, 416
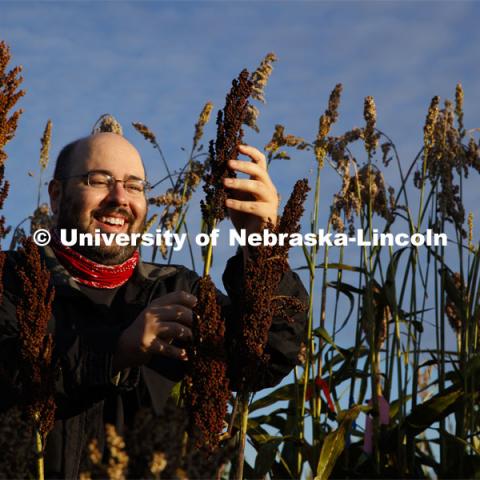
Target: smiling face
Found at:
79, 205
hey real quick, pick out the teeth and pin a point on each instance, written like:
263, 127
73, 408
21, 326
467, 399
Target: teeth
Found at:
112, 220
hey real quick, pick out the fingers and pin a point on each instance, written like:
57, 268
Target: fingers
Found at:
169, 331
162, 347
256, 155
180, 298
170, 313
259, 209
256, 171
256, 188
259, 184
173, 307
164, 321
257, 195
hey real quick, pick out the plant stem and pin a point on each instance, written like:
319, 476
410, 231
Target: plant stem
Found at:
39, 452
309, 360
208, 256
243, 403
39, 193
39, 449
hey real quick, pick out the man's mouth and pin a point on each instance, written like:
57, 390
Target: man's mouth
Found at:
113, 220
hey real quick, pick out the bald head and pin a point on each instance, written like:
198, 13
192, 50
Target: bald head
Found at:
101, 149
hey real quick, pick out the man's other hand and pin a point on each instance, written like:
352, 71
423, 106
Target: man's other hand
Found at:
165, 320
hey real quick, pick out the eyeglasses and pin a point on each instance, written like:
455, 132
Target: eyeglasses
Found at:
105, 181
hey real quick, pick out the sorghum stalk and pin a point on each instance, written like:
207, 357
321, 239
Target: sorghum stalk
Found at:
263, 272
243, 403
209, 253
39, 450
326, 120
151, 137
370, 144
190, 182
323, 307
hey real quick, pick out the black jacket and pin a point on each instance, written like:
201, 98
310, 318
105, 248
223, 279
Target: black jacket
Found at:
86, 334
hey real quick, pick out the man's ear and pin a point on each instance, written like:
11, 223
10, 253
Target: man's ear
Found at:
55, 193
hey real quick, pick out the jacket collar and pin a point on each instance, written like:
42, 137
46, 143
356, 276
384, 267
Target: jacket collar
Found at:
144, 275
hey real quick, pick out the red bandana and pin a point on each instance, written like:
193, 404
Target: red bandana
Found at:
91, 273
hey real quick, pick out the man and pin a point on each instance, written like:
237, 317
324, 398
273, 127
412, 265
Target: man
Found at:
121, 325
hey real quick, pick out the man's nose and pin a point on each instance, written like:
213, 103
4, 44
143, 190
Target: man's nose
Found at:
118, 193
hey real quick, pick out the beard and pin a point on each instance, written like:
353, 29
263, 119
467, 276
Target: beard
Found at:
69, 215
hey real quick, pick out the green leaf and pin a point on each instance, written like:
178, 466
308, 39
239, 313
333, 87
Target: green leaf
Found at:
433, 410
453, 439
289, 455
247, 471
266, 456
310, 266
334, 444
346, 355
414, 313
418, 326
261, 437
336, 266
395, 406
348, 291
175, 392
291, 449
322, 333
281, 470
389, 286
345, 287
282, 156
273, 419
286, 392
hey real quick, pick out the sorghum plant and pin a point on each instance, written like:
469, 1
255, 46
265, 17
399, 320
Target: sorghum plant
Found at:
36, 343
151, 451
263, 271
207, 385
176, 198
225, 148
37, 371
116, 465
208, 392
259, 79
45, 142
10, 81
107, 123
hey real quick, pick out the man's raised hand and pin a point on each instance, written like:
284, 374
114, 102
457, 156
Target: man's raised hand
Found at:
251, 201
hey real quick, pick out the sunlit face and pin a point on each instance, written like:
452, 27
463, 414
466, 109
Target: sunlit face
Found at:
78, 205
